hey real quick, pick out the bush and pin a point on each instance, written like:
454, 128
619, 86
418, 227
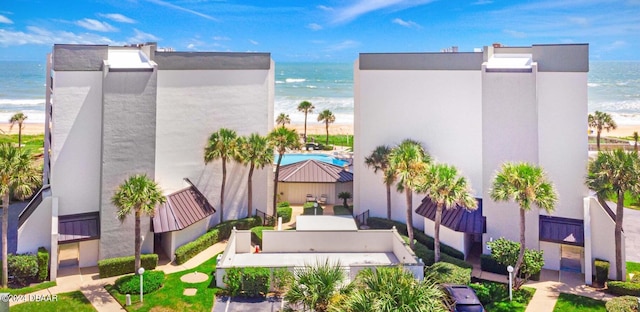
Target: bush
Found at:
125, 265
281, 278
623, 288
224, 228
428, 256
602, 270
43, 264
283, 204
130, 284
622, 304
489, 264
309, 210
497, 293
285, 213
447, 273
23, 268
233, 280
255, 281
256, 234
506, 253
379, 223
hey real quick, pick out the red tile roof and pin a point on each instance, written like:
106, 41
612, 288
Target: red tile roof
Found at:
182, 209
313, 171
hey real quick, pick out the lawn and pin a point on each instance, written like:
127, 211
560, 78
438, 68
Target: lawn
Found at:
341, 211
170, 297
630, 201
575, 303
73, 301
26, 290
339, 140
633, 267
495, 297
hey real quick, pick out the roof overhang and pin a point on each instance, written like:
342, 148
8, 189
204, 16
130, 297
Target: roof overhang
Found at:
459, 219
78, 227
561, 230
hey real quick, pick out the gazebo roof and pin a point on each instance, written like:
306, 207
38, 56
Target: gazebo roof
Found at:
313, 171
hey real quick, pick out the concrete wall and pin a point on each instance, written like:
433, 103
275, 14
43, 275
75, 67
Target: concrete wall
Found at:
36, 230
296, 193
334, 241
128, 148
416, 104
76, 140
552, 255
187, 235
88, 253
602, 238
448, 236
207, 100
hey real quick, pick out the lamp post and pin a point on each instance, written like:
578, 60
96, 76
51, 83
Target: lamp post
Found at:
140, 272
315, 208
510, 270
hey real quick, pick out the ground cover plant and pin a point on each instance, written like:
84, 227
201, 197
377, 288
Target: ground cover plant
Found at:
575, 303
73, 301
337, 140
495, 296
341, 211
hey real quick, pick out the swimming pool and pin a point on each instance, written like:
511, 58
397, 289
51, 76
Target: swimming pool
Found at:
293, 158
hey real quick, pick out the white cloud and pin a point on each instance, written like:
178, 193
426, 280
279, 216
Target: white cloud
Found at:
514, 33
362, 7
582, 21
325, 8
41, 36
482, 2
95, 25
5, 20
314, 26
142, 37
118, 18
618, 44
408, 24
221, 38
344, 45
191, 46
253, 42
179, 8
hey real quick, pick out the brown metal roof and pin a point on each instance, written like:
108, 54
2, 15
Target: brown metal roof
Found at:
459, 219
78, 227
182, 209
313, 171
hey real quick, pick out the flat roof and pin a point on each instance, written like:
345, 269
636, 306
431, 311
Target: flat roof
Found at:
304, 259
325, 223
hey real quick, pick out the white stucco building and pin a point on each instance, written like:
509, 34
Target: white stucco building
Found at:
476, 111
117, 111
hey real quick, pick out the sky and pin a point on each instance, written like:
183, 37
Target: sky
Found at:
320, 30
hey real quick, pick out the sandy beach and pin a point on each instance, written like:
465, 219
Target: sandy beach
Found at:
621, 131
27, 128
316, 128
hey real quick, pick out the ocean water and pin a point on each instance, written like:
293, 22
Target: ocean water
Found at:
614, 87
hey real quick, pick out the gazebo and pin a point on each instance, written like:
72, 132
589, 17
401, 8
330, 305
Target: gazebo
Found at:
313, 177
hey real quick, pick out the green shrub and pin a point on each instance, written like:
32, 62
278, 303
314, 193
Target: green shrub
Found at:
489, 264
623, 288
310, 211
622, 304
43, 264
427, 255
283, 204
233, 280
130, 284
379, 223
191, 249
635, 278
506, 252
255, 281
285, 213
490, 293
256, 234
448, 273
281, 278
224, 228
602, 270
125, 265
23, 268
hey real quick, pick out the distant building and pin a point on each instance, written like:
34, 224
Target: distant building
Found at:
117, 111
477, 111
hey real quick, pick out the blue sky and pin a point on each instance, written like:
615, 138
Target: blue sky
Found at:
315, 30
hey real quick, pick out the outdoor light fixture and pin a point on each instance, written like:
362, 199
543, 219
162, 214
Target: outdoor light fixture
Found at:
315, 208
510, 270
140, 272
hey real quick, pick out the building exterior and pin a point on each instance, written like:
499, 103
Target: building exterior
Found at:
117, 111
477, 111
323, 181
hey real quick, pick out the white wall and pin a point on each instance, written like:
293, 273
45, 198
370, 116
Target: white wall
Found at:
207, 100
296, 193
602, 239
187, 235
36, 230
441, 109
88, 253
552, 255
448, 236
323, 241
76, 140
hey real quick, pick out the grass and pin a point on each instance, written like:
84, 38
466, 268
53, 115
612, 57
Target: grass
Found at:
633, 267
35, 142
73, 301
497, 298
341, 211
26, 290
312, 211
575, 303
339, 140
170, 297
630, 201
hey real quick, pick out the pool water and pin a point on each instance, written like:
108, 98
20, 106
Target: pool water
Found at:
293, 158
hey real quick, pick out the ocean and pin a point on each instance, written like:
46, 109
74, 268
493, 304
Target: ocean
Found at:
614, 87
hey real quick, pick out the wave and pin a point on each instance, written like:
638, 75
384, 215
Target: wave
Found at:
294, 80
23, 102
593, 84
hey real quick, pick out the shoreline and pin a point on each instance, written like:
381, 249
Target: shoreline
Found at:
27, 128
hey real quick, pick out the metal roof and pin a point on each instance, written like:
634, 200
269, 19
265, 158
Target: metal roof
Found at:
561, 230
78, 227
182, 209
459, 219
313, 171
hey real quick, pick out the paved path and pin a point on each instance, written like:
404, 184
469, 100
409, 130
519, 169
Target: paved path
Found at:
631, 226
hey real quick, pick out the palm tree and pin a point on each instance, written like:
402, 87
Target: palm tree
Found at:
389, 289
447, 190
18, 118
283, 119
315, 285
344, 196
635, 140
328, 117
408, 161
281, 139
17, 174
614, 173
305, 107
525, 184
379, 160
257, 153
140, 195
600, 121
222, 145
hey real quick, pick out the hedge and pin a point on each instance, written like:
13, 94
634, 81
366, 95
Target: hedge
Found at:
428, 256
125, 265
43, 264
283, 204
379, 223
623, 288
130, 284
602, 270
622, 304
448, 273
488, 264
215, 234
23, 267
285, 213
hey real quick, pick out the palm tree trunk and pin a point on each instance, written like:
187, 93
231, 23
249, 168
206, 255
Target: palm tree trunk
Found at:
388, 201
305, 126
436, 234
250, 192
275, 183
19, 135
408, 194
5, 225
598, 139
138, 240
327, 126
224, 180
618, 235
516, 269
